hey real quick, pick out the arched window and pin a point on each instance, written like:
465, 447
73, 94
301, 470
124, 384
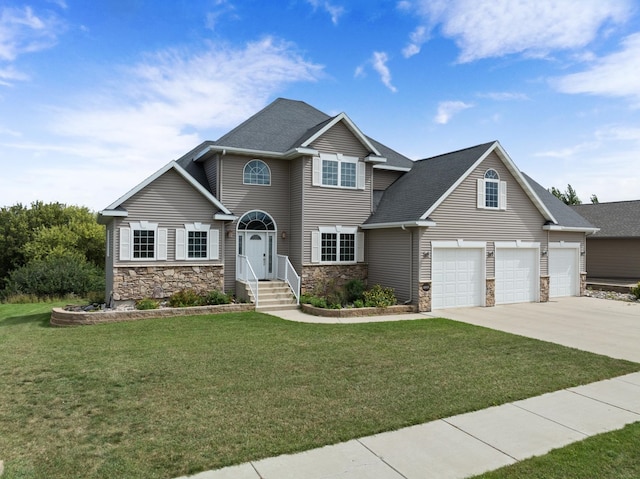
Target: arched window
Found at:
491, 189
256, 221
256, 172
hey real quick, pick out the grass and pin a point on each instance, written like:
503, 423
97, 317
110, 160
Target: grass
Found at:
613, 455
170, 397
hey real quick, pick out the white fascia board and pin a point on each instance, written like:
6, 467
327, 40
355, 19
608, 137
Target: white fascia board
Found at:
114, 213
224, 150
575, 229
352, 127
223, 217
181, 171
460, 243
391, 168
400, 224
375, 159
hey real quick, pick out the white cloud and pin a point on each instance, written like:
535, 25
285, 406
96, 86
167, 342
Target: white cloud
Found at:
379, 62
504, 96
23, 31
222, 8
334, 11
447, 109
416, 39
494, 28
613, 75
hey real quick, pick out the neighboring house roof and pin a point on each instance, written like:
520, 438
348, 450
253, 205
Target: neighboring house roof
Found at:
413, 197
619, 219
566, 217
286, 126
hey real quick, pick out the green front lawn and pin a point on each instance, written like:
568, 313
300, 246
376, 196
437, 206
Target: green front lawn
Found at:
169, 397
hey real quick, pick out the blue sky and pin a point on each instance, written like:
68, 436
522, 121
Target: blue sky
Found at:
96, 96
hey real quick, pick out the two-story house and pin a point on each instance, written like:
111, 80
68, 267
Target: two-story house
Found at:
301, 196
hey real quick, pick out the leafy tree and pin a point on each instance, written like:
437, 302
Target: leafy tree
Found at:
569, 197
594, 199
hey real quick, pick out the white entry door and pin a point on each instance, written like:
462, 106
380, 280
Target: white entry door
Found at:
257, 253
563, 271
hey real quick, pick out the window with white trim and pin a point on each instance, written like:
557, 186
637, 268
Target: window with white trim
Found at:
143, 241
197, 241
492, 193
338, 171
337, 244
256, 172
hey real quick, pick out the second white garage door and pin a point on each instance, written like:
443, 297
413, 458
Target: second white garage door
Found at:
457, 277
517, 277
563, 271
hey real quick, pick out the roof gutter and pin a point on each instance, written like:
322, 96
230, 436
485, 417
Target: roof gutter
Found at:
400, 224
576, 229
225, 150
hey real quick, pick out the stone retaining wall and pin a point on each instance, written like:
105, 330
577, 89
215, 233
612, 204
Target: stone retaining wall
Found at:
357, 312
61, 317
138, 282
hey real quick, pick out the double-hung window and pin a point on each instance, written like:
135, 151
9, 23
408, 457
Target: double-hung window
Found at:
143, 241
197, 241
337, 244
338, 171
492, 193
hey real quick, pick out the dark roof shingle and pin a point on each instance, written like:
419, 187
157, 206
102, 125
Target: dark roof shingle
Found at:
619, 219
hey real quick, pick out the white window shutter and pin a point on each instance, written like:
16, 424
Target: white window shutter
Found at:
125, 243
317, 171
361, 175
214, 244
360, 247
181, 246
503, 195
315, 246
481, 203
162, 243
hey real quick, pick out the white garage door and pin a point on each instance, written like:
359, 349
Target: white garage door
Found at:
457, 277
563, 272
516, 275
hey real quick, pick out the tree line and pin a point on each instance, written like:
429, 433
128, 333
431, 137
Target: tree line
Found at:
50, 250
570, 197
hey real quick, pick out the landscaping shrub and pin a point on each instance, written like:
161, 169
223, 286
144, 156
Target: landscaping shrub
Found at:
147, 303
185, 298
635, 291
216, 297
353, 290
56, 276
379, 297
315, 301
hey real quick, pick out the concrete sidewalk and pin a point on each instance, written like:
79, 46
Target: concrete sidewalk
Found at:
465, 445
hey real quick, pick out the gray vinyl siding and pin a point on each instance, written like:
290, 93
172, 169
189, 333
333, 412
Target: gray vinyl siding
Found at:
294, 237
459, 218
382, 179
109, 259
211, 170
171, 202
240, 198
339, 139
613, 258
572, 237
390, 263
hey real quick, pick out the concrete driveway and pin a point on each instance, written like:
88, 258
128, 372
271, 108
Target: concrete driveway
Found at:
601, 326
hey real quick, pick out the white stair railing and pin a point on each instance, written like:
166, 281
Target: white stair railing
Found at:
245, 273
286, 272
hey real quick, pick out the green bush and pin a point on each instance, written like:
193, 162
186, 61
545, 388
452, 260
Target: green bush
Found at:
379, 297
358, 303
216, 297
147, 303
316, 301
185, 298
55, 276
353, 290
635, 291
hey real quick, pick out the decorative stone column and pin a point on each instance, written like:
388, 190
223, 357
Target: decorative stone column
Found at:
583, 284
424, 296
490, 299
544, 289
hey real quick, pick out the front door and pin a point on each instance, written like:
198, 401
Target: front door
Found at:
257, 253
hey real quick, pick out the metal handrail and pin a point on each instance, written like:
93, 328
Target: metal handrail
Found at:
245, 273
286, 272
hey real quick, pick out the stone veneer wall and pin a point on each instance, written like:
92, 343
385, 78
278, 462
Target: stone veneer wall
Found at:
424, 296
490, 292
583, 283
544, 289
315, 278
137, 282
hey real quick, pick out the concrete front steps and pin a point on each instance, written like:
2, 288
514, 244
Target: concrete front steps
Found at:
273, 296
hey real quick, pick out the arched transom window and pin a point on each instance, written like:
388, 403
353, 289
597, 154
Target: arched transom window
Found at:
256, 221
256, 172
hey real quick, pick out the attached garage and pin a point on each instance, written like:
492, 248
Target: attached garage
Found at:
517, 272
458, 275
564, 270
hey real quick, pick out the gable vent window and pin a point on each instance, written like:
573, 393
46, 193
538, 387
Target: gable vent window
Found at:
338, 171
256, 172
492, 193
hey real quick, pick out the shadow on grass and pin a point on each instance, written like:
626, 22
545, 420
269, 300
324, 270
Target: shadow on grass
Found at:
41, 320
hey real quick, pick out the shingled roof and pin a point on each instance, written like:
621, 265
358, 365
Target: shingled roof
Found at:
619, 219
